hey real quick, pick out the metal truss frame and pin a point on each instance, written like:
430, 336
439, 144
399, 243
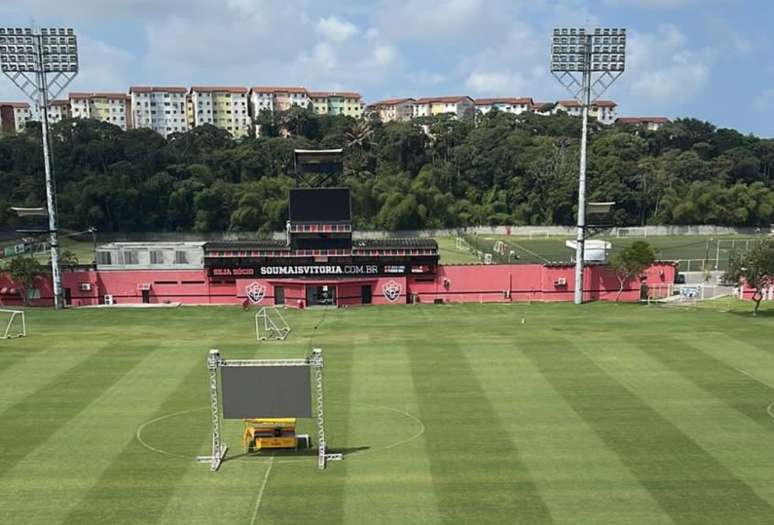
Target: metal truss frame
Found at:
599, 83
215, 362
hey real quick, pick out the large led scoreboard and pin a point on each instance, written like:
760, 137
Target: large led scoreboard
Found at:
319, 243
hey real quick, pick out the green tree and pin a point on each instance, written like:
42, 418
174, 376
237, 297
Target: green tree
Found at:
754, 268
631, 262
25, 270
68, 259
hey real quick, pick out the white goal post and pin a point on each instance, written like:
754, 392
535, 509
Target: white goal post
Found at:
16, 325
270, 324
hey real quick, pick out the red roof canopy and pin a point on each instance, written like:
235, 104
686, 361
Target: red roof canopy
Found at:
157, 89
218, 89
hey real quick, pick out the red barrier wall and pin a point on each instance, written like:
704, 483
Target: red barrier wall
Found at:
454, 283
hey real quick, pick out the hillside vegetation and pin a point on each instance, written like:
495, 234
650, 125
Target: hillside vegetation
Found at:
436, 172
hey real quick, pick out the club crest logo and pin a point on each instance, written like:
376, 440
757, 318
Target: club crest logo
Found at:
255, 292
391, 291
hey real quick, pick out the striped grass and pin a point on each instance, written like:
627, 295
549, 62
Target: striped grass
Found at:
445, 414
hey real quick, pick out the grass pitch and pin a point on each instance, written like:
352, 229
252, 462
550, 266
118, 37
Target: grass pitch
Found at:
446, 414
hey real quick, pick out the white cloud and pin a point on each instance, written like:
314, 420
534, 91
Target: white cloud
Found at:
426, 78
323, 56
103, 67
654, 4
383, 55
496, 83
336, 30
662, 70
437, 22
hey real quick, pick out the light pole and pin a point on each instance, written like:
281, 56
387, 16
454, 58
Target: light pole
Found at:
586, 64
42, 63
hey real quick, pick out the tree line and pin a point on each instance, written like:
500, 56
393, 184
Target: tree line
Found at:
434, 172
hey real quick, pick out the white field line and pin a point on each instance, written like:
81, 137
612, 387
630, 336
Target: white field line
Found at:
520, 247
138, 434
748, 374
770, 407
260, 492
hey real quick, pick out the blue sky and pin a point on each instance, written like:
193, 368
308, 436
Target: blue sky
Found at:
709, 59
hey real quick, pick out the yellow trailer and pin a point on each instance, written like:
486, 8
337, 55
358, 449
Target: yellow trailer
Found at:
269, 433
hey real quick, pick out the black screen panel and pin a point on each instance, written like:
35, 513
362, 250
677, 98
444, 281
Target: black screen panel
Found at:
320, 205
266, 391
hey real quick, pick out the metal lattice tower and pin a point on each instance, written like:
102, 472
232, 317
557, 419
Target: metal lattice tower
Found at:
586, 64
42, 63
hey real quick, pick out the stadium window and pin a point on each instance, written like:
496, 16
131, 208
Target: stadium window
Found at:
103, 257
33, 293
181, 257
131, 257
156, 257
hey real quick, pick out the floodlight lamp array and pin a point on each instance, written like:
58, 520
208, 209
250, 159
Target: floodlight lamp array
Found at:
575, 49
19, 50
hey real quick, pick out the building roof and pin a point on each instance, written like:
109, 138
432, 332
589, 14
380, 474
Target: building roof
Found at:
504, 100
59, 103
342, 94
643, 120
389, 102
395, 242
568, 103
279, 89
80, 95
444, 100
157, 89
151, 244
218, 89
19, 105
260, 244
576, 104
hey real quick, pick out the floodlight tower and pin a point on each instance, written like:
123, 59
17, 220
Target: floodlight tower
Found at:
586, 64
42, 63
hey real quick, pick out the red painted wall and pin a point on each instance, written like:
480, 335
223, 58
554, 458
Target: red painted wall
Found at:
456, 283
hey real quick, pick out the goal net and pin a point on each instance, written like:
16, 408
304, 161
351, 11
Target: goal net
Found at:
707, 296
270, 324
12, 324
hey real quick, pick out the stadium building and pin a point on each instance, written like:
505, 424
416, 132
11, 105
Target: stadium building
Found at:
319, 261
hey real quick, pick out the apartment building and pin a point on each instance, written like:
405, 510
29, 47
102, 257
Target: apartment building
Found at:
513, 105
649, 123
543, 108
162, 109
277, 98
601, 110
400, 109
223, 107
114, 108
14, 117
190, 114
346, 103
58, 110
432, 106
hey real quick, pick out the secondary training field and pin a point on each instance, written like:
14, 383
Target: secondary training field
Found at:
445, 414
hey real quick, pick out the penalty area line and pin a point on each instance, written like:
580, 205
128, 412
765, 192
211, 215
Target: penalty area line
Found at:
260, 492
756, 379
